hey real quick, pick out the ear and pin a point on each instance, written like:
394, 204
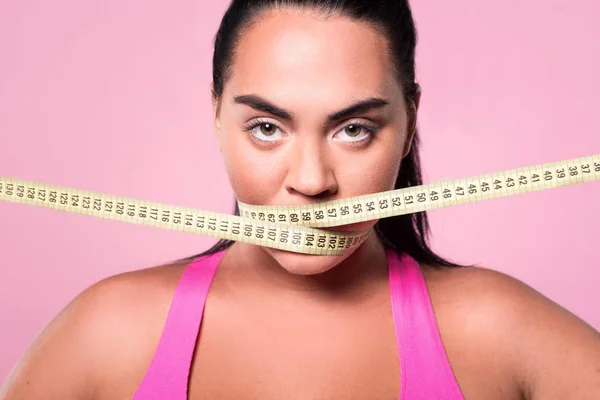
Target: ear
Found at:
413, 110
216, 108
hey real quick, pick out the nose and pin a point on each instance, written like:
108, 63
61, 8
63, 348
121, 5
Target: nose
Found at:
309, 172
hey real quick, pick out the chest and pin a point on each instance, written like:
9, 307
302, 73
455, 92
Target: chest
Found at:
297, 356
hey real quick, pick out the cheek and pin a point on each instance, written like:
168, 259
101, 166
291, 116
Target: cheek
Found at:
255, 177
384, 168
382, 174
374, 170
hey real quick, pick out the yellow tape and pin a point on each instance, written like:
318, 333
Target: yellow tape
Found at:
294, 228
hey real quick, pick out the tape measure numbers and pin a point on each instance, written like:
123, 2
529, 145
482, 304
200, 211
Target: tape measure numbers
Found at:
295, 228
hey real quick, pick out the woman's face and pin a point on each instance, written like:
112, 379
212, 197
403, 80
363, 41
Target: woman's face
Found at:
311, 112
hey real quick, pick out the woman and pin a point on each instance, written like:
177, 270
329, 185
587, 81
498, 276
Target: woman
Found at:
314, 101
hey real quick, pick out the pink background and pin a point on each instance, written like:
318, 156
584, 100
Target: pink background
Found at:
114, 97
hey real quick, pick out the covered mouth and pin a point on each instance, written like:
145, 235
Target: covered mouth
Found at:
355, 227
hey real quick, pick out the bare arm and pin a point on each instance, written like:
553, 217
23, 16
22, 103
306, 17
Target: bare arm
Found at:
555, 355
526, 345
60, 362
100, 345
562, 352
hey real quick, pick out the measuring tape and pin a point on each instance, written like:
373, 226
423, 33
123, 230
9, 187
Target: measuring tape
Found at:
295, 228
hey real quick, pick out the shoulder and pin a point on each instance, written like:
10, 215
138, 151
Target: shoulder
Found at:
116, 310
131, 294
478, 290
132, 300
485, 296
497, 320
108, 333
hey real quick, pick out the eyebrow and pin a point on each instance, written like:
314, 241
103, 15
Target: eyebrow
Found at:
260, 104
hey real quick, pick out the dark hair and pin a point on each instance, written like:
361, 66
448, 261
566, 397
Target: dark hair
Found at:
405, 233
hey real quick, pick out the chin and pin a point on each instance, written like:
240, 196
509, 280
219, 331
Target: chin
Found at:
306, 264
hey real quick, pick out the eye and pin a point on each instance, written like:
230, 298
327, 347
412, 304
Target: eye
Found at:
354, 133
263, 131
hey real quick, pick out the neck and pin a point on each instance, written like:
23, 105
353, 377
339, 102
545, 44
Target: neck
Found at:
360, 273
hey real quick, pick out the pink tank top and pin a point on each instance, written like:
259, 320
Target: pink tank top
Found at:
425, 372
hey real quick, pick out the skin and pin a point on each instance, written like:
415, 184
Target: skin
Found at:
296, 311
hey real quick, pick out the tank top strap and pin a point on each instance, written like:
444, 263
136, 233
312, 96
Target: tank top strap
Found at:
168, 373
425, 371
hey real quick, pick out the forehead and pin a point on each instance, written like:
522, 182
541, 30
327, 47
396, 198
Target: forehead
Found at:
294, 53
